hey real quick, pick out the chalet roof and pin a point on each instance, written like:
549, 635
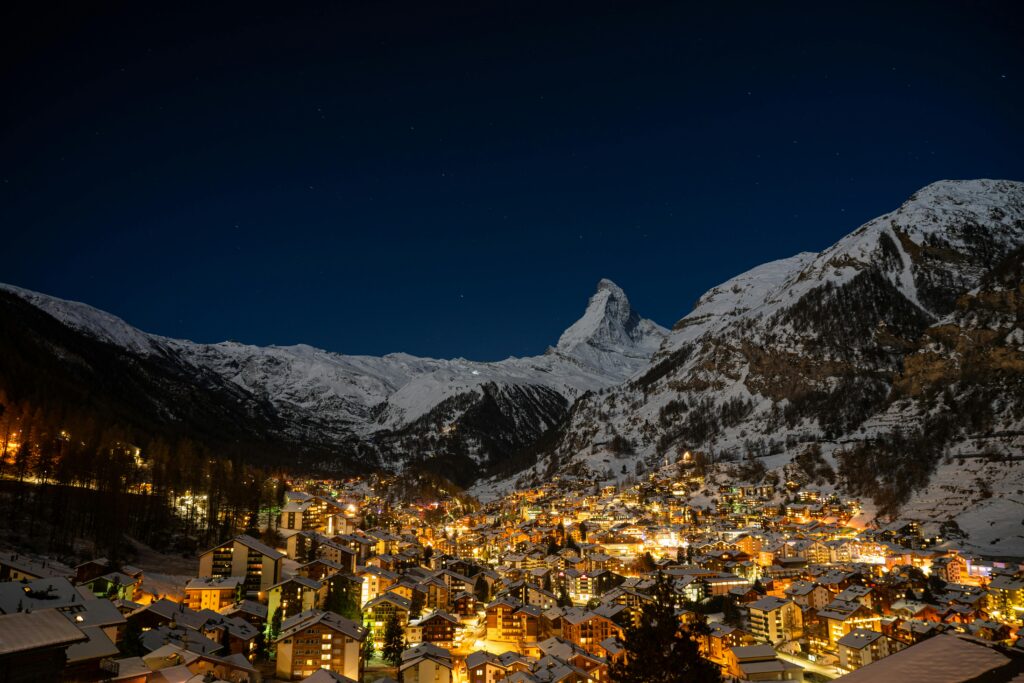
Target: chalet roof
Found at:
531, 610
772, 666
801, 588
437, 614
859, 638
26, 631
575, 615
504, 600
331, 564
609, 610
942, 659
214, 583
1006, 583
57, 592
303, 581
749, 653
304, 620
178, 612
481, 657
235, 626
259, 546
96, 647
245, 607
377, 571
186, 638
393, 598
768, 603
31, 567
326, 676
427, 649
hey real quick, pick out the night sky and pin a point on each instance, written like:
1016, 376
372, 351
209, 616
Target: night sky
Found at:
371, 177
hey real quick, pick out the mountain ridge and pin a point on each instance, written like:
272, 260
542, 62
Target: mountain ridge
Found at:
334, 397
833, 351
904, 333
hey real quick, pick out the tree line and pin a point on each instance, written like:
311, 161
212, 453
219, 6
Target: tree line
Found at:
67, 481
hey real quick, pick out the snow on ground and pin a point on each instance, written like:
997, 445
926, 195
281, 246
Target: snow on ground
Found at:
165, 585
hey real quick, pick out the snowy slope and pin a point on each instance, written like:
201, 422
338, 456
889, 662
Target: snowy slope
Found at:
851, 344
345, 394
735, 298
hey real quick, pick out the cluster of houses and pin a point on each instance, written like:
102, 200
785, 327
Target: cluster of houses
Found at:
540, 586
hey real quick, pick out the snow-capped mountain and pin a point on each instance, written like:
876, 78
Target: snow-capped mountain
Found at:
864, 342
890, 365
331, 397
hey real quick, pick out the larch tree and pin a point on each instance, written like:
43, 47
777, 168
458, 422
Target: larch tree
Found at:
660, 649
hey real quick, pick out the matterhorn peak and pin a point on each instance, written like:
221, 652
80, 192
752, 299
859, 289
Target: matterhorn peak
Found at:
610, 326
604, 284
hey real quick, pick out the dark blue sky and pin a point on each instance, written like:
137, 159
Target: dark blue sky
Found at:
372, 177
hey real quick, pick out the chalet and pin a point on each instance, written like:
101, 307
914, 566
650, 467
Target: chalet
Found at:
760, 663
87, 571
438, 628
529, 594
304, 545
212, 593
595, 667
319, 640
320, 569
860, 647
502, 623
342, 555
484, 667
587, 629
426, 663
719, 638
98, 620
841, 617
377, 611
235, 635
256, 563
294, 595
19, 567
252, 612
808, 595
775, 620
116, 585
34, 645
376, 581
951, 568
304, 512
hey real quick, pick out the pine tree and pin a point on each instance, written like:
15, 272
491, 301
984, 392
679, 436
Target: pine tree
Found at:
659, 649
481, 590
416, 606
394, 641
368, 649
131, 643
274, 628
